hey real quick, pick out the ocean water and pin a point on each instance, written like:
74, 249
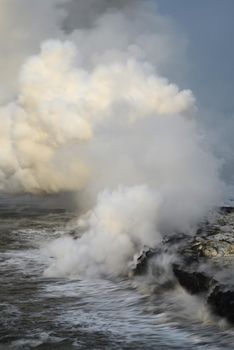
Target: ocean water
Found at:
63, 313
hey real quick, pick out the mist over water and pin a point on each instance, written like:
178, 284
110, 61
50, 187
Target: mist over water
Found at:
38, 312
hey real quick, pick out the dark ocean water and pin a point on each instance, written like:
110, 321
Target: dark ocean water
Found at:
62, 313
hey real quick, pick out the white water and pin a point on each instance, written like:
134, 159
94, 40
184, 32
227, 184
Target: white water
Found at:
97, 313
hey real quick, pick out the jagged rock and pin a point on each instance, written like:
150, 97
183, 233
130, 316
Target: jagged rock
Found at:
202, 261
218, 246
193, 281
143, 261
221, 300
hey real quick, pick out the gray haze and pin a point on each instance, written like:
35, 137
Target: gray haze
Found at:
209, 29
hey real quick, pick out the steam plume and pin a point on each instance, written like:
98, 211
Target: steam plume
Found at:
93, 112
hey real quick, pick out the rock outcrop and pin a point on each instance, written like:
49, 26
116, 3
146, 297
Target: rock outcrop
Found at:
204, 263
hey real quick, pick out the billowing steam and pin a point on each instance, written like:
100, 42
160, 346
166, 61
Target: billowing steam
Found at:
93, 113
123, 221
61, 106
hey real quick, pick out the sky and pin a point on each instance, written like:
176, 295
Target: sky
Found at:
209, 28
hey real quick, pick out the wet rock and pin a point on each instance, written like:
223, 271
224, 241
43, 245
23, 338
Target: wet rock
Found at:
203, 262
221, 301
143, 261
227, 210
194, 282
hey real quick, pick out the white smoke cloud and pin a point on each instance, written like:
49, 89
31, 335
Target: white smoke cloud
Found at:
92, 112
24, 25
62, 105
113, 234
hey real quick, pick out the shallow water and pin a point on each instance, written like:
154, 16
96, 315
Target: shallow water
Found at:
60, 313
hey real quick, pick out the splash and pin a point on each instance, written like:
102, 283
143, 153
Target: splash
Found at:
113, 232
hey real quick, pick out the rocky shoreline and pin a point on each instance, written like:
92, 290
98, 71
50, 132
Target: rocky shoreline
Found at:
202, 264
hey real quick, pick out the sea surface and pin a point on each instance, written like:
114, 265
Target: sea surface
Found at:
63, 313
